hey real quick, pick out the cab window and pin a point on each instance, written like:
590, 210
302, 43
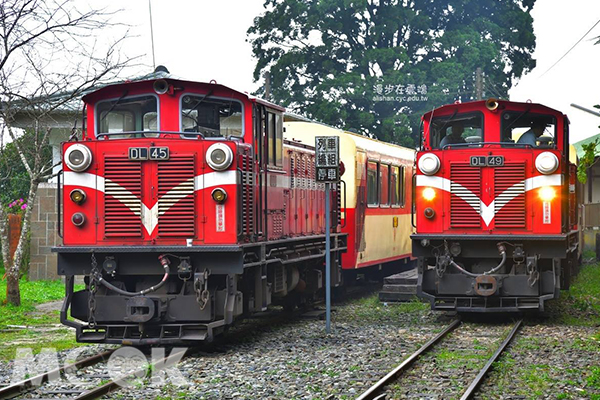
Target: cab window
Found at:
525, 129
456, 131
211, 117
127, 117
275, 139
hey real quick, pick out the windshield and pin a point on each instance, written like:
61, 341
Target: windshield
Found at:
458, 129
210, 116
127, 114
523, 128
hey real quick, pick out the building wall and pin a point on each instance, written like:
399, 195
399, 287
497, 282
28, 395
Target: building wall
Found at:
42, 264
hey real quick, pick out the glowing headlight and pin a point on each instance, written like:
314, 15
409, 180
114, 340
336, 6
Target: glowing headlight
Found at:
547, 193
429, 193
78, 157
546, 163
429, 164
219, 156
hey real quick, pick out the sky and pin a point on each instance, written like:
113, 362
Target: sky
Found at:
204, 40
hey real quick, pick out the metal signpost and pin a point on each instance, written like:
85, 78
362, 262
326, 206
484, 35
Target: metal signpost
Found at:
327, 168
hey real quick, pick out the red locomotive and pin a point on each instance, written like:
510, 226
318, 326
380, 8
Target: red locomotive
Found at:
496, 208
186, 205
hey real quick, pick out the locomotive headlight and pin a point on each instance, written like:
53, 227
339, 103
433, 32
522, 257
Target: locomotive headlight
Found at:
429, 164
219, 195
547, 193
219, 156
78, 157
546, 163
77, 196
429, 193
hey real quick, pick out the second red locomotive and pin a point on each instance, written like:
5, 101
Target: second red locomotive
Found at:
496, 208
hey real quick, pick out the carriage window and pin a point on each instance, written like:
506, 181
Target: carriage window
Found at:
127, 115
372, 190
210, 116
523, 128
402, 186
395, 186
456, 131
384, 185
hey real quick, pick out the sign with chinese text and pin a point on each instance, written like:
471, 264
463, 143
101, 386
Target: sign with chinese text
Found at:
327, 165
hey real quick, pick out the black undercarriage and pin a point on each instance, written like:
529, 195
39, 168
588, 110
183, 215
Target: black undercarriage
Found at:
150, 295
493, 273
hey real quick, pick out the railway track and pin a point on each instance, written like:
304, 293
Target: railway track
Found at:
391, 385
95, 386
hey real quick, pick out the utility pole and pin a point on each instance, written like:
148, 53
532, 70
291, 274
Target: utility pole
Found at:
267, 77
478, 84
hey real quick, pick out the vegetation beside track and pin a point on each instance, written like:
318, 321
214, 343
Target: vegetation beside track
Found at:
28, 326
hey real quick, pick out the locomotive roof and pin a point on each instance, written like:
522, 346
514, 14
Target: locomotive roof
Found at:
480, 104
143, 81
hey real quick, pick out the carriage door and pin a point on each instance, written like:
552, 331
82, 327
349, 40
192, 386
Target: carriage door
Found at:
260, 141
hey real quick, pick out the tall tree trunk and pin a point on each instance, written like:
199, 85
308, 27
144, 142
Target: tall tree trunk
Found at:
13, 292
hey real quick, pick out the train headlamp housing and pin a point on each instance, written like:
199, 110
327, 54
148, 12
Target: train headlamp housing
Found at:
219, 156
77, 196
219, 195
546, 163
429, 164
78, 219
78, 157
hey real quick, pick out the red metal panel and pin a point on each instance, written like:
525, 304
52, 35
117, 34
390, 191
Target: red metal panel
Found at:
122, 194
509, 193
176, 211
464, 208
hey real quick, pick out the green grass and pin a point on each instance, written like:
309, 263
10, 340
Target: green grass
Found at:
581, 304
32, 294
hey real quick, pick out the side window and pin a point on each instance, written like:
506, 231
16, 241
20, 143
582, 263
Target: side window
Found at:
395, 185
384, 185
372, 189
402, 186
275, 139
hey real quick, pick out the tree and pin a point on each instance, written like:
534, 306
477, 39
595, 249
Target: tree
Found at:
339, 61
49, 55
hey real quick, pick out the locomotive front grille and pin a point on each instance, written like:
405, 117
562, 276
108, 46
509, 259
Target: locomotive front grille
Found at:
176, 201
465, 192
122, 193
509, 192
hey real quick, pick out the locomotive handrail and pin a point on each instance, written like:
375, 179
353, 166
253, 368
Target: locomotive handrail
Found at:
345, 211
482, 144
58, 203
413, 196
108, 134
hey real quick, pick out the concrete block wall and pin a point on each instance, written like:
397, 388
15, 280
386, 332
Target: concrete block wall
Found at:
42, 263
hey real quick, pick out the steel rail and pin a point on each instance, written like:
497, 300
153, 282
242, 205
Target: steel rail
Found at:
114, 384
374, 390
30, 383
479, 378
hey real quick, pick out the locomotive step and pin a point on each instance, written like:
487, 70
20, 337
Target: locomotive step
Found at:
404, 278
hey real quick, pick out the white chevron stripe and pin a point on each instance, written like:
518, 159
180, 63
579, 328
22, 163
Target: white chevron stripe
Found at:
488, 212
149, 216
